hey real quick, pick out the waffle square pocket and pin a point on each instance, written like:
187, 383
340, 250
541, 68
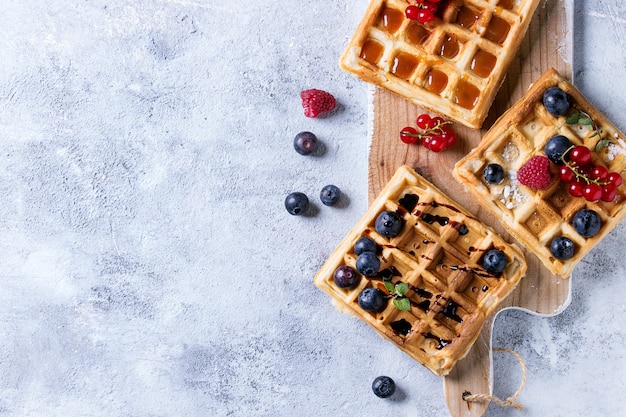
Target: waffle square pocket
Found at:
561, 222
429, 275
453, 65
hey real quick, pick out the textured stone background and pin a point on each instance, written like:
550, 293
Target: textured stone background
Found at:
147, 265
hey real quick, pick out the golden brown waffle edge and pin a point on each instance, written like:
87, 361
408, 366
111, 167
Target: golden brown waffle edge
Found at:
453, 66
438, 254
535, 217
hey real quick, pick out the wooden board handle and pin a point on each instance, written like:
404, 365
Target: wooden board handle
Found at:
471, 375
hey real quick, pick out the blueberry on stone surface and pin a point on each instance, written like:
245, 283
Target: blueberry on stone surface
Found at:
586, 222
389, 224
383, 386
371, 299
305, 143
562, 248
297, 203
345, 276
365, 244
494, 261
556, 147
493, 173
368, 264
330, 195
556, 101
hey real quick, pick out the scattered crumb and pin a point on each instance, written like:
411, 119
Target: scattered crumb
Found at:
613, 150
510, 152
511, 195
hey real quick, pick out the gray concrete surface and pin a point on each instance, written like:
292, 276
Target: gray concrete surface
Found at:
147, 264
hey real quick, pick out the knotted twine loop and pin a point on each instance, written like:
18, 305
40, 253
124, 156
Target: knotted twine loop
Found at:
509, 402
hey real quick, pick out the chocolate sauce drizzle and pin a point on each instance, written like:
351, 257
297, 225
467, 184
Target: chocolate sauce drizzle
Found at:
401, 327
410, 202
441, 342
450, 311
388, 273
477, 271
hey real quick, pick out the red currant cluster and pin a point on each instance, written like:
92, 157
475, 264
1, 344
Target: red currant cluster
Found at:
584, 179
436, 135
424, 11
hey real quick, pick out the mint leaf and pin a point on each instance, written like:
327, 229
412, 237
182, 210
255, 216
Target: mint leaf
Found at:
602, 144
402, 288
389, 286
573, 118
402, 303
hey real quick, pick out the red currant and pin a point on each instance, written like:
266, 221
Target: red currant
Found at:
423, 121
430, 6
580, 155
437, 121
615, 179
408, 135
592, 192
426, 141
608, 193
566, 174
449, 136
585, 170
438, 144
425, 16
599, 173
576, 188
411, 12
434, 133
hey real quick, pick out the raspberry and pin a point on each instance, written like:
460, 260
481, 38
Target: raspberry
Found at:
535, 173
316, 102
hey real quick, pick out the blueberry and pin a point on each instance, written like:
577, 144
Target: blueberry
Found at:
368, 264
297, 203
345, 277
556, 147
330, 195
562, 248
494, 261
383, 386
556, 101
493, 173
371, 299
389, 224
586, 222
365, 244
305, 143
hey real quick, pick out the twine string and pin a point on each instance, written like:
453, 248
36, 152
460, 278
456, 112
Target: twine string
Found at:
509, 402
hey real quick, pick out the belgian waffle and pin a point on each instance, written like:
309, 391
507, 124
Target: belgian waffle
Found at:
439, 255
453, 66
535, 217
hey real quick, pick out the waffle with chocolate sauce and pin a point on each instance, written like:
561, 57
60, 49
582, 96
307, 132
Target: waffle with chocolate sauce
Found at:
438, 255
536, 217
453, 66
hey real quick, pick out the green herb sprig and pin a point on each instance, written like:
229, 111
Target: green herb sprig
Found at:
584, 119
398, 292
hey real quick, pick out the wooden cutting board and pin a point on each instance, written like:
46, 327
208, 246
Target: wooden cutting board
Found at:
547, 44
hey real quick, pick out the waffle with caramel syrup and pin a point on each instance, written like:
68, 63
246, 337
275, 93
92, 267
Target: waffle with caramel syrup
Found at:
453, 66
536, 217
439, 255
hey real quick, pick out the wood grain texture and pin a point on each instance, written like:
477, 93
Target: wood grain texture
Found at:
547, 44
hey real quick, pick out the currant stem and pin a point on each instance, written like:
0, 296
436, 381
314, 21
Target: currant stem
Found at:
435, 129
578, 174
594, 126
